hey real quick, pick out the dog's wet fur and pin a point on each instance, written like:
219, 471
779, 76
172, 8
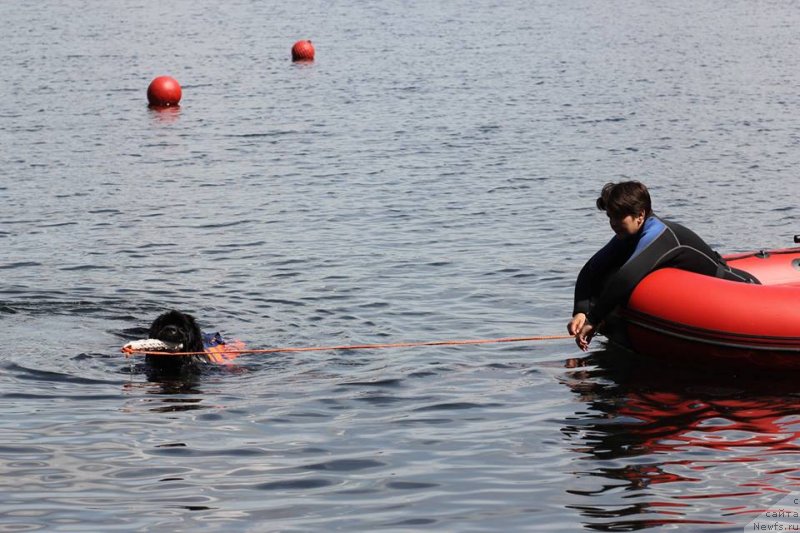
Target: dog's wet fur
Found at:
177, 327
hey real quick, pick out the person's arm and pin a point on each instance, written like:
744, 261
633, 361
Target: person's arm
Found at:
591, 277
589, 285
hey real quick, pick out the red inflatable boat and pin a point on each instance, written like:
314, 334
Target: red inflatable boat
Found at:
680, 315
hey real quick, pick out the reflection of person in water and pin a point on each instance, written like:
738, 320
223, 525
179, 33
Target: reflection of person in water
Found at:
642, 243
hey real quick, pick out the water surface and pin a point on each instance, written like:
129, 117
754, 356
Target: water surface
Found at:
430, 176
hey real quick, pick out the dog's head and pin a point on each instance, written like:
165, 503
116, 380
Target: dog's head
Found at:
178, 328
175, 327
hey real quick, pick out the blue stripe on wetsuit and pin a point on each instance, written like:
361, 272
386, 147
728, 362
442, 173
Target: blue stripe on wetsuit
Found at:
651, 230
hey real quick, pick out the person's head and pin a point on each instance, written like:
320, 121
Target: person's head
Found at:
627, 205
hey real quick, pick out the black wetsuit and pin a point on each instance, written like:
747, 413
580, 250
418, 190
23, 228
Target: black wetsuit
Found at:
609, 277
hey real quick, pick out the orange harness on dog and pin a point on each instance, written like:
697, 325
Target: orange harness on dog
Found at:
224, 354
220, 351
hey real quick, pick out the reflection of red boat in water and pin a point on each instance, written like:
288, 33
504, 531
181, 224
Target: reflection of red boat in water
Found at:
677, 314
666, 420
662, 409
664, 446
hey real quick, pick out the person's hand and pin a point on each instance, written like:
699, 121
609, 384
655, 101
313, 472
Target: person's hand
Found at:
584, 336
576, 323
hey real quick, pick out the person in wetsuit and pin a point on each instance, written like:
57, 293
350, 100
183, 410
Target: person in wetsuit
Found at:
642, 243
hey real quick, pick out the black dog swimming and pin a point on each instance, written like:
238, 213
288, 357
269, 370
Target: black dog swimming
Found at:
175, 327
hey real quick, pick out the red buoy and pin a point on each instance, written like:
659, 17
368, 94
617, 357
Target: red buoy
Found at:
303, 51
163, 92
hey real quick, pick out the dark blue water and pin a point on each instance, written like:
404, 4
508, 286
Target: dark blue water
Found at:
430, 176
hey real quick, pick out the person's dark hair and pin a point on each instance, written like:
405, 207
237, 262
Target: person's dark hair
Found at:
625, 198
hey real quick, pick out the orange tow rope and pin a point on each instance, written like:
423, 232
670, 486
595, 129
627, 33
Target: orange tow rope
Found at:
235, 352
